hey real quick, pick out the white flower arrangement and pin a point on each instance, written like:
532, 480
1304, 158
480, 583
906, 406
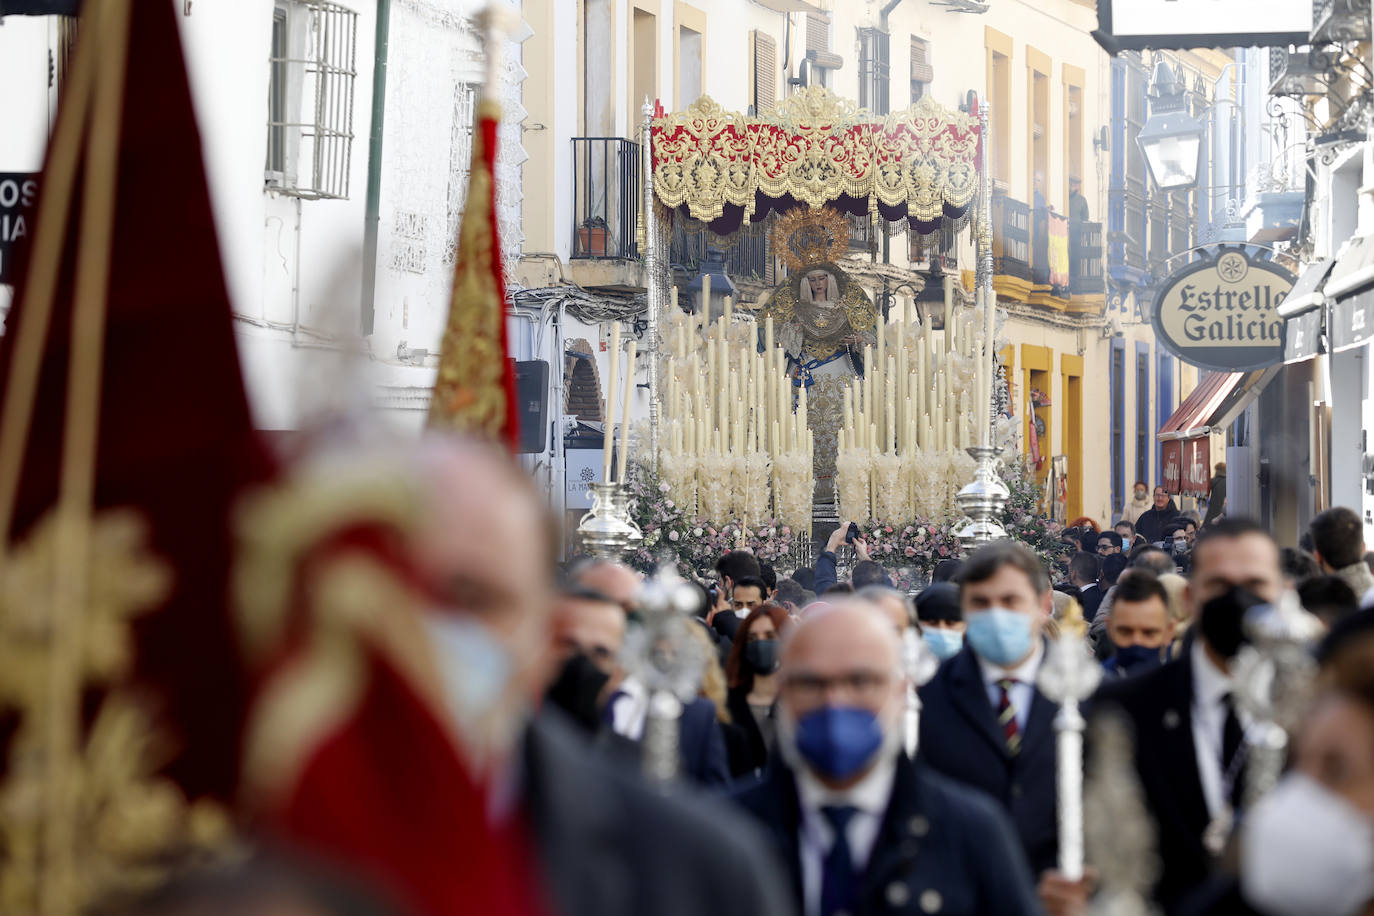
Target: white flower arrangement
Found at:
852, 472
757, 489
891, 490
713, 485
793, 487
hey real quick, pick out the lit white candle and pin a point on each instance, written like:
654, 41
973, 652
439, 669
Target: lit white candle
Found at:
706, 296
949, 312
729, 309
625, 414
768, 334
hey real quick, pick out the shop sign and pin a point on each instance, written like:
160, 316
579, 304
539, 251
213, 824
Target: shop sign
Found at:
18, 191
1172, 454
1188, 24
1221, 312
1352, 320
1197, 477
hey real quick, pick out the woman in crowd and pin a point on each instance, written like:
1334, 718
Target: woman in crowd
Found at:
751, 672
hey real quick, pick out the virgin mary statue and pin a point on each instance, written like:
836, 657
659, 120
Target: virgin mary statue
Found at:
823, 321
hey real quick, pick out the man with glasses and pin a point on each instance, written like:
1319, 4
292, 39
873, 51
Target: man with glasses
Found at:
862, 828
1108, 543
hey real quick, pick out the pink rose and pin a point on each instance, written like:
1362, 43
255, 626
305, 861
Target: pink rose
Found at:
944, 551
910, 551
786, 532
782, 549
887, 528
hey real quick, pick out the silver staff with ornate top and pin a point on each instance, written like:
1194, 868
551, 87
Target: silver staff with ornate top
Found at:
1070, 674
1274, 677
919, 665
664, 657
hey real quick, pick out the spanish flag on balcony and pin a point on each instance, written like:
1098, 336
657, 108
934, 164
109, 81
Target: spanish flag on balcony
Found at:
475, 390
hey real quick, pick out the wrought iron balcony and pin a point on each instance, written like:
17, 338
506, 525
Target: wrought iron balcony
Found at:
1085, 259
747, 257
606, 192
1299, 73
1339, 21
1011, 237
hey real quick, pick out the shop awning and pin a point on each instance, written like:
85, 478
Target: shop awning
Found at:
1304, 309
1351, 284
40, 7
1194, 416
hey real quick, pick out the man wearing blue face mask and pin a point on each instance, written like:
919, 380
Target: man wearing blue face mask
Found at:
863, 829
983, 720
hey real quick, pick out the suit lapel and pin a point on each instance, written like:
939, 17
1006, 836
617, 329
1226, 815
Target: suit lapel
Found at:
574, 820
1178, 753
783, 815
898, 842
1039, 720
970, 697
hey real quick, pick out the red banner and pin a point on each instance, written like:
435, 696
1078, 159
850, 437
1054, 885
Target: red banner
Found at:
1173, 466
1197, 454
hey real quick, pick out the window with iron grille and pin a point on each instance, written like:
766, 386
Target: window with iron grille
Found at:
459, 162
922, 71
310, 98
874, 70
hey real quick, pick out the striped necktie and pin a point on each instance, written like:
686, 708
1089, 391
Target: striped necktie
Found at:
1006, 716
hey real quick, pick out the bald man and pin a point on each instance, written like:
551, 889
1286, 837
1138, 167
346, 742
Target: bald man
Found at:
614, 580
604, 842
863, 829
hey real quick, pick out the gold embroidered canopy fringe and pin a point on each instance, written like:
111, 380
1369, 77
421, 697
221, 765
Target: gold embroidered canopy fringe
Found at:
816, 149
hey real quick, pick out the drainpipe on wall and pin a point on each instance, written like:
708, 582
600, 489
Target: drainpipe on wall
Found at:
374, 167
883, 13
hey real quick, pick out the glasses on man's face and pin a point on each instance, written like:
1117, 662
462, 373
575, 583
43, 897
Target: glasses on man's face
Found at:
1104, 548
861, 686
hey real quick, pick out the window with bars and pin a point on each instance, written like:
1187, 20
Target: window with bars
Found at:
922, 69
874, 70
312, 64
459, 162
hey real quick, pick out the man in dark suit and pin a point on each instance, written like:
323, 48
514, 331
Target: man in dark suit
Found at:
1189, 734
863, 829
594, 625
1084, 571
983, 720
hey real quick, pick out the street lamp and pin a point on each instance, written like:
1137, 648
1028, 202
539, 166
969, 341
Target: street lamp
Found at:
713, 265
1171, 139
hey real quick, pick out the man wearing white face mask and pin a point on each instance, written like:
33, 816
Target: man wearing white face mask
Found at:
864, 829
1307, 849
983, 720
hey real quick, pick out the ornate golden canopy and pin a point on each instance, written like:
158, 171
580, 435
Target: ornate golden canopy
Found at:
920, 164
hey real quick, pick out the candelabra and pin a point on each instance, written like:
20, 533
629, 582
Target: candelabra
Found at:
1117, 821
607, 531
663, 656
983, 500
1274, 676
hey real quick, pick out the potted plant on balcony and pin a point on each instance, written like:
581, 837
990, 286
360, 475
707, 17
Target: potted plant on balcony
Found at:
591, 237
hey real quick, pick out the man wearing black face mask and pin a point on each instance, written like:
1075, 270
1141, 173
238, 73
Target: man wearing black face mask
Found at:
1138, 624
1190, 750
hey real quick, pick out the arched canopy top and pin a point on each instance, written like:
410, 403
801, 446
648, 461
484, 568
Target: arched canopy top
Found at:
725, 169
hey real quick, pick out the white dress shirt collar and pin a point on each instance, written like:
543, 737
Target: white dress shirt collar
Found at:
1024, 673
870, 794
1210, 683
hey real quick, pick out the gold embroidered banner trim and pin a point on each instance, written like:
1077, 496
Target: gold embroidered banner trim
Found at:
815, 148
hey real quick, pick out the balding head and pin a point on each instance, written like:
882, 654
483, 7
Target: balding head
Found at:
841, 658
614, 580
852, 647
483, 549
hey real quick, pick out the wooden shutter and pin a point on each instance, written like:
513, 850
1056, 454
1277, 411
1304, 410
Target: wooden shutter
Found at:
765, 72
818, 31
921, 69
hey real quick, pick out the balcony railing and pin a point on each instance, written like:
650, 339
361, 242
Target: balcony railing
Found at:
1085, 259
1024, 242
1340, 21
746, 258
606, 191
1011, 235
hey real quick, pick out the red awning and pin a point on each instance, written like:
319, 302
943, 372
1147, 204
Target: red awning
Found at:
1195, 414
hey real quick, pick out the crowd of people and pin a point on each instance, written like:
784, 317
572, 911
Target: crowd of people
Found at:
796, 793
